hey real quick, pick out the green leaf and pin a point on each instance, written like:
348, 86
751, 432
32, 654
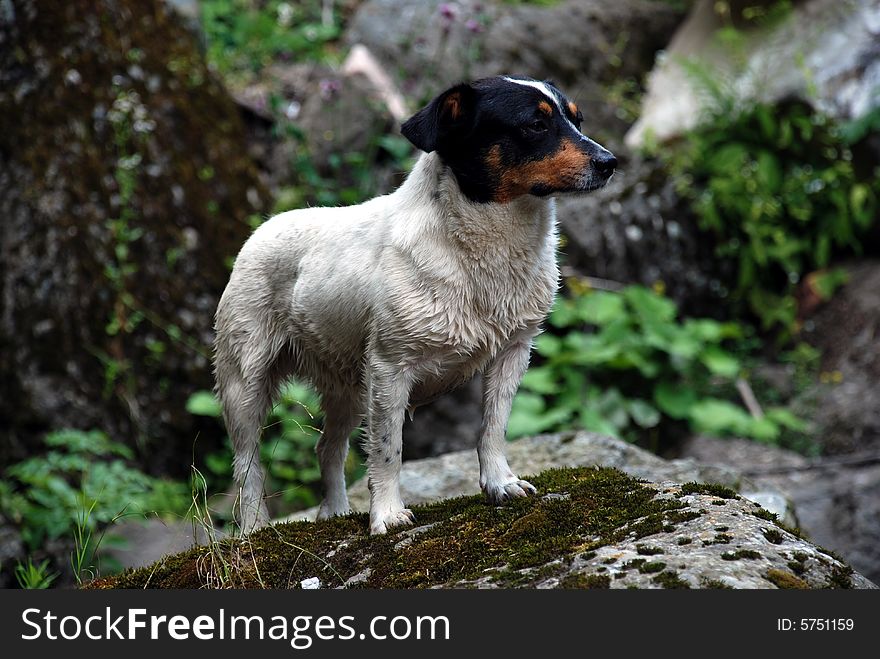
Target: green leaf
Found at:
721, 417
528, 416
541, 380
204, 403
674, 400
644, 414
769, 172
729, 158
601, 307
564, 313
710, 331
720, 362
787, 419
590, 349
649, 306
825, 283
548, 345
764, 430
592, 420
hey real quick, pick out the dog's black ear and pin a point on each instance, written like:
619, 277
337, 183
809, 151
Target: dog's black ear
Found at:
448, 116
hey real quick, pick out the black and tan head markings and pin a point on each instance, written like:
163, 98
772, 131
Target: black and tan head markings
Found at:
506, 137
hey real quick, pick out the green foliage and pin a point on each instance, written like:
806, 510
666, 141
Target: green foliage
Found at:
244, 36
288, 446
34, 577
351, 178
776, 187
80, 485
623, 363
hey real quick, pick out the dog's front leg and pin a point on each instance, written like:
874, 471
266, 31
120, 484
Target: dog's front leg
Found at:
500, 382
388, 391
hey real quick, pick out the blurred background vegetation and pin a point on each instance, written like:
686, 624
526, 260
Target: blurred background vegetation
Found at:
141, 142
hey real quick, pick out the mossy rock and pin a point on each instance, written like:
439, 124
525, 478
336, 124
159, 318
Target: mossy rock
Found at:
125, 190
589, 536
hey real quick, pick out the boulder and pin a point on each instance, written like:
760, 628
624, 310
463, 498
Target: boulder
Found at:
587, 528
457, 474
124, 193
846, 331
638, 230
826, 52
586, 46
837, 498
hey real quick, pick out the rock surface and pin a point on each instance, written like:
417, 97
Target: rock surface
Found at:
846, 331
587, 528
123, 192
457, 474
638, 230
824, 51
584, 45
837, 498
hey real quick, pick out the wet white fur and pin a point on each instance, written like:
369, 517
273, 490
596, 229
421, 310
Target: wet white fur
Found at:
384, 306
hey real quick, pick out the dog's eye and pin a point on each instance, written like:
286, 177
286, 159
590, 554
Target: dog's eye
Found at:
537, 126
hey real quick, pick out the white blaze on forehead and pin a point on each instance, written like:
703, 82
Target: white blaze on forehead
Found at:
544, 89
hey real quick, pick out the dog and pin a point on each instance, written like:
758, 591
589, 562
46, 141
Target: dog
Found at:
386, 305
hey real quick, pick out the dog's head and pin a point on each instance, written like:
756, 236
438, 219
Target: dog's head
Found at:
505, 137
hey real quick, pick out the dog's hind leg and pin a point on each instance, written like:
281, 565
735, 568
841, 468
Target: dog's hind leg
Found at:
341, 416
247, 381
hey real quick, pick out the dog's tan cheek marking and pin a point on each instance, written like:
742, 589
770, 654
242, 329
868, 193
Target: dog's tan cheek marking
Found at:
556, 171
545, 107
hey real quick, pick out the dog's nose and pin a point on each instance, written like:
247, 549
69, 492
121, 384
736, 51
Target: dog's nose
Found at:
605, 164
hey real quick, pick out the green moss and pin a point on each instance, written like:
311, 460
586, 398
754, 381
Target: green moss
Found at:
772, 517
830, 553
740, 554
711, 489
798, 567
684, 541
798, 564
721, 529
669, 579
586, 581
717, 584
680, 516
785, 580
653, 566
719, 502
773, 535
765, 514
465, 539
647, 550
840, 577
720, 539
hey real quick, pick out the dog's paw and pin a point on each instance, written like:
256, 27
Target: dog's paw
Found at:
328, 510
508, 489
382, 523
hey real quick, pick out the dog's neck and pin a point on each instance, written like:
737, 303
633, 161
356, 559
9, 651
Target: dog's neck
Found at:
524, 224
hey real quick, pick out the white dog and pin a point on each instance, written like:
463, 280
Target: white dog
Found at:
387, 305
